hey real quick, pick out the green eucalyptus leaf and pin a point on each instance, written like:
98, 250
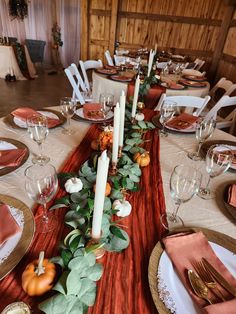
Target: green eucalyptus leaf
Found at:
66, 256
136, 134
88, 294
73, 282
75, 243
95, 272
57, 260
79, 252
117, 232
107, 204
78, 307
60, 286
58, 303
142, 125
150, 125
116, 244
136, 170
135, 127
129, 184
90, 203
126, 148
123, 172
57, 206
116, 194
105, 225
134, 178
124, 182
63, 200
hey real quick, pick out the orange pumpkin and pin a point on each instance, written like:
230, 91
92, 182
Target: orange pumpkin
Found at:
108, 189
142, 159
39, 276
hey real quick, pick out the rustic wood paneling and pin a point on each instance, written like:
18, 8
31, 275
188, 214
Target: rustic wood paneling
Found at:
230, 44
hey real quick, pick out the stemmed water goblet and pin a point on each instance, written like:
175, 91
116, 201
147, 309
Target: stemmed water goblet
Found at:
218, 161
167, 112
204, 130
185, 182
38, 129
107, 104
41, 185
68, 107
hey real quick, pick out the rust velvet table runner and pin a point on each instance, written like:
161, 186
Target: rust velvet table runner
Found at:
124, 286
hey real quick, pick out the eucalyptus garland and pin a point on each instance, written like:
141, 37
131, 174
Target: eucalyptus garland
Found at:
76, 288
18, 9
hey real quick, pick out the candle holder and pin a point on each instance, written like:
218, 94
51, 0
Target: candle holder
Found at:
140, 105
113, 169
98, 250
133, 120
120, 151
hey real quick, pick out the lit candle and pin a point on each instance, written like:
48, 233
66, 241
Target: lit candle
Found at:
7, 40
135, 99
101, 181
11, 72
122, 118
116, 126
150, 61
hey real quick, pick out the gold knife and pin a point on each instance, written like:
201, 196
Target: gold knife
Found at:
219, 278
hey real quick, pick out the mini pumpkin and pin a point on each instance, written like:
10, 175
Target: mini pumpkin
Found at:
139, 116
73, 185
38, 276
108, 189
124, 208
142, 159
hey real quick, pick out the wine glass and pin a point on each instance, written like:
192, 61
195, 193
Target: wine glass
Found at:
167, 112
204, 130
68, 107
107, 103
184, 184
218, 161
38, 129
41, 185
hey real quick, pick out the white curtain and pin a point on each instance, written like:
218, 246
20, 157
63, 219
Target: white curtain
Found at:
68, 17
38, 25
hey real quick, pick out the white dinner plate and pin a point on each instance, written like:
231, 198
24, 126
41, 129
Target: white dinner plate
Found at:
174, 294
79, 112
22, 124
191, 129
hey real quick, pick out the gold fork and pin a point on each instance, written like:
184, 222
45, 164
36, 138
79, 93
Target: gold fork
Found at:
208, 279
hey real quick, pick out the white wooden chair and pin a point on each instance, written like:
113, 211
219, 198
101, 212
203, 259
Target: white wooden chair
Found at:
224, 84
229, 120
186, 101
198, 64
86, 65
71, 74
109, 58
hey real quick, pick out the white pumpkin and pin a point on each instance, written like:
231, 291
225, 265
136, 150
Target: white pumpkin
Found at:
139, 116
123, 207
73, 185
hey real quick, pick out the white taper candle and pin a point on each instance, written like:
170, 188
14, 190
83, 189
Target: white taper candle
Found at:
116, 126
122, 118
101, 181
135, 99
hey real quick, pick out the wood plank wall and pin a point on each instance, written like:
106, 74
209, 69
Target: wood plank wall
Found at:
191, 27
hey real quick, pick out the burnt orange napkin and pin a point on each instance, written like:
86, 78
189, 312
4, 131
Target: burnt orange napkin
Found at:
92, 111
186, 248
24, 112
181, 122
232, 195
8, 225
12, 157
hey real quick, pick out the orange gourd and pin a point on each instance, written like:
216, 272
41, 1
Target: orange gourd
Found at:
142, 159
39, 276
107, 191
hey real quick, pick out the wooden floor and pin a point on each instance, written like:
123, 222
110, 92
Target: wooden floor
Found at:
44, 91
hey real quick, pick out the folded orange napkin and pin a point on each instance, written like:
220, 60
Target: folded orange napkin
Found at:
92, 111
186, 248
12, 157
232, 195
181, 122
8, 225
24, 112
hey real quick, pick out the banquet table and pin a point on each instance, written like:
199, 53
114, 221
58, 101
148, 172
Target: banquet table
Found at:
102, 84
112, 296
8, 61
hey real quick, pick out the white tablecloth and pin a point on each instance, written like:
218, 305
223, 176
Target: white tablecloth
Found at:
197, 212
102, 84
8, 61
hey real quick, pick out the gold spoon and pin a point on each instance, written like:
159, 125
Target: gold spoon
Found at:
198, 286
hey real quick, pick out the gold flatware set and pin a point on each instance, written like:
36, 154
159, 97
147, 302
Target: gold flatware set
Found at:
206, 278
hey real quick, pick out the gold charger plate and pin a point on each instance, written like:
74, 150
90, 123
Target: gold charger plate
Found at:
18, 144
26, 238
213, 236
9, 119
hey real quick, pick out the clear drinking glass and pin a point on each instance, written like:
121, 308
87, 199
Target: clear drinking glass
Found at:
204, 130
38, 129
167, 112
218, 161
185, 182
68, 107
41, 185
107, 102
